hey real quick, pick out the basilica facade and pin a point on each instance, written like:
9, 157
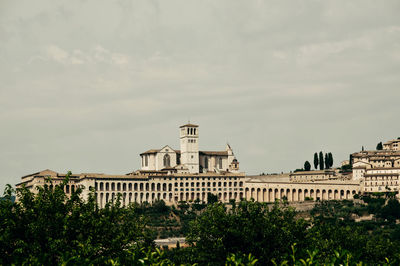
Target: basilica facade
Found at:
189, 159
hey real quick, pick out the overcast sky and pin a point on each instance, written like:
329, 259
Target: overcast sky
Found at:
88, 85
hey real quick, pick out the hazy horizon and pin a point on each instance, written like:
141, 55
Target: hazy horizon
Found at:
88, 85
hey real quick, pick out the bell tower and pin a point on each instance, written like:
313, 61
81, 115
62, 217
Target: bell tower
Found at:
189, 140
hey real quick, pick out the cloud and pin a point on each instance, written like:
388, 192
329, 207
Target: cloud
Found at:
96, 55
90, 90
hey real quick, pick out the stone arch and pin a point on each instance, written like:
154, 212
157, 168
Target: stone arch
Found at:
318, 195
281, 193
300, 195
289, 195
124, 199
247, 193
324, 195
107, 186
101, 200
264, 198
112, 198
270, 196
294, 195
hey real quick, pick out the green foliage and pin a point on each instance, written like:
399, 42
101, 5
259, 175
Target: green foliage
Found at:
316, 161
379, 146
346, 168
330, 160
249, 228
49, 228
326, 161
307, 166
321, 161
240, 260
211, 198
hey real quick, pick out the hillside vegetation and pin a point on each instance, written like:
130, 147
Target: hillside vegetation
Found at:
50, 228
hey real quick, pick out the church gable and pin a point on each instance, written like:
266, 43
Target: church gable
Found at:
167, 149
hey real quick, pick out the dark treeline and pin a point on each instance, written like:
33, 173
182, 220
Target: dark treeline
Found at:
50, 228
321, 160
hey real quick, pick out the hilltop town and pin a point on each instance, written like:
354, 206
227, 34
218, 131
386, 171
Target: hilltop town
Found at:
189, 174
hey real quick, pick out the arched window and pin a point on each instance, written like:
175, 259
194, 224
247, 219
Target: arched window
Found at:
167, 160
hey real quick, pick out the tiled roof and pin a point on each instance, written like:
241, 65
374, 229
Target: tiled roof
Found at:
211, 153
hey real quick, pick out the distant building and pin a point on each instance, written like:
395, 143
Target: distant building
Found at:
392, 145
189, 159
189, 174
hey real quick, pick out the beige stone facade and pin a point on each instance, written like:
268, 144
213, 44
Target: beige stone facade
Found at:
189, 159
158, 179
392, 145
144, 186
307, 176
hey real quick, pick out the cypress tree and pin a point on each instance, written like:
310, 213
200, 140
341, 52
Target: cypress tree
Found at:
326, 161
307, 166
321, 161
379, 147
316, 161
330, 156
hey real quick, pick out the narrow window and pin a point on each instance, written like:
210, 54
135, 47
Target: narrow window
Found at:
167, 159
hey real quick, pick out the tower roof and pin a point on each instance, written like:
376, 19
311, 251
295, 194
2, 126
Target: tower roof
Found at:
189, 125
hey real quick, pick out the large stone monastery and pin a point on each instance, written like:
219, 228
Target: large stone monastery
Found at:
189, 174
